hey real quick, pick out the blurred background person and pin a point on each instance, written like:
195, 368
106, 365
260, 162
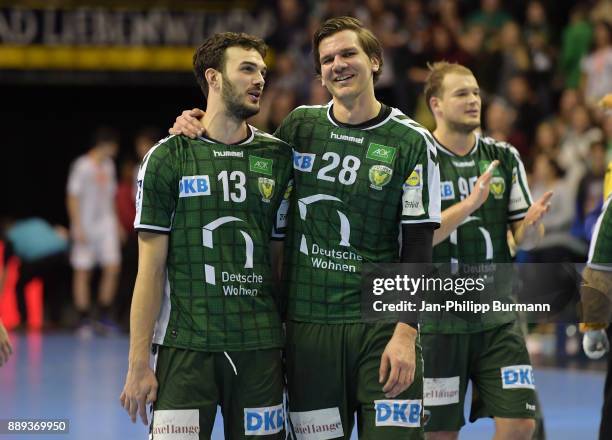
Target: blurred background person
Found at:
94, 229
42, 250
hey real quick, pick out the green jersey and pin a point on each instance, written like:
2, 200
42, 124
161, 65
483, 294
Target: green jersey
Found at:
482, 237
600, 251
221, 205
354, 186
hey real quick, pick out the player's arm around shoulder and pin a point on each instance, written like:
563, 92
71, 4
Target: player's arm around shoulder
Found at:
140, 384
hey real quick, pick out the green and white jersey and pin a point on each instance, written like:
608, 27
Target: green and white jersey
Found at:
354, 186
221, 205
600, 250
482, 237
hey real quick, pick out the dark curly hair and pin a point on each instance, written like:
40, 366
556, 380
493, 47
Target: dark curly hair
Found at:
211, 54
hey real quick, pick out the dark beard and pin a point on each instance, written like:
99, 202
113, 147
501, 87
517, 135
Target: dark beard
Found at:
462, 128
235, 108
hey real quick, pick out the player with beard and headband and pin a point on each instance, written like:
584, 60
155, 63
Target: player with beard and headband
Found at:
363, 171
206, 211
484, 190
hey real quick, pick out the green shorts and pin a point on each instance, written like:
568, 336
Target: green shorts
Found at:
497, 363
332, 373
247, 385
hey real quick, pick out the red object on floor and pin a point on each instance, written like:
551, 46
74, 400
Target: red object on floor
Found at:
8, 299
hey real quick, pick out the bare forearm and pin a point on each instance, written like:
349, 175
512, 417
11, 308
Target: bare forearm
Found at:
147, 298
451, 218
146, 303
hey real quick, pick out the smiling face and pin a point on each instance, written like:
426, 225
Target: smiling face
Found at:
346, 70
243, 79
458, 104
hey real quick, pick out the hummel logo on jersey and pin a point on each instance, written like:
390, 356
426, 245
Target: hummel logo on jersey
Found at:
343, 137
193, 186
381, 152
228, 153
463, 164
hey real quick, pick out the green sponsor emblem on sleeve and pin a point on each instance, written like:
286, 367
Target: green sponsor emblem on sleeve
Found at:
266, 188
260, 165
381, 153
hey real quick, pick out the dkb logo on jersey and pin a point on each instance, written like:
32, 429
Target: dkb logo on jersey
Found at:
303, 161
447, 190
193, 186
381, 152
517, 376
207, 241
264, 421
379, 176
406, 413
266, 188
498, 186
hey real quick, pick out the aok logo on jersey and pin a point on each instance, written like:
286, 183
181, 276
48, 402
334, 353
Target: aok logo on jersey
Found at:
381, 153
517, 376
405, 413
379, 176
264, 421
193, 186
266, 188
260, 165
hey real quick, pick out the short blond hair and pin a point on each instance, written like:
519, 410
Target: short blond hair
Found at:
437, 73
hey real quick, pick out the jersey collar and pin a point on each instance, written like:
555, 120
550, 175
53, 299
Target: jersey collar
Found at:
444, 149
249, 137
383, 115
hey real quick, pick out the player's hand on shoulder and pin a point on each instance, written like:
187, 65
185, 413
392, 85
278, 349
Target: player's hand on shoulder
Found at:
139, 390
398, 362
188, 123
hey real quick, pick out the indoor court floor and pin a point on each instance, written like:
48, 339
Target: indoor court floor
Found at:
59, 376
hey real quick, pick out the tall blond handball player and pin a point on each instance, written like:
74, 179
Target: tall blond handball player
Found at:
484, 191
362, 169
206, 211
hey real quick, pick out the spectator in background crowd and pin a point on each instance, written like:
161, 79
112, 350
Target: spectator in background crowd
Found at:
511, 55
597, 66
94, 229
42, 251
575, 44
499, 123
522, 100
589, 198
575, 144
546, 140
558, 244
490, 16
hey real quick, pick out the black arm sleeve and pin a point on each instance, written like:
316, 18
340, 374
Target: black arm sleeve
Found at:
417, 247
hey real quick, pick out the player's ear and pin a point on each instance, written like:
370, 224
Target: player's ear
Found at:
375, 64
213, 78
434, 104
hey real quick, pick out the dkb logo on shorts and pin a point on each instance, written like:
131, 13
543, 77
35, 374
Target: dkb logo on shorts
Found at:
406, 413
517, 376
264, 421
